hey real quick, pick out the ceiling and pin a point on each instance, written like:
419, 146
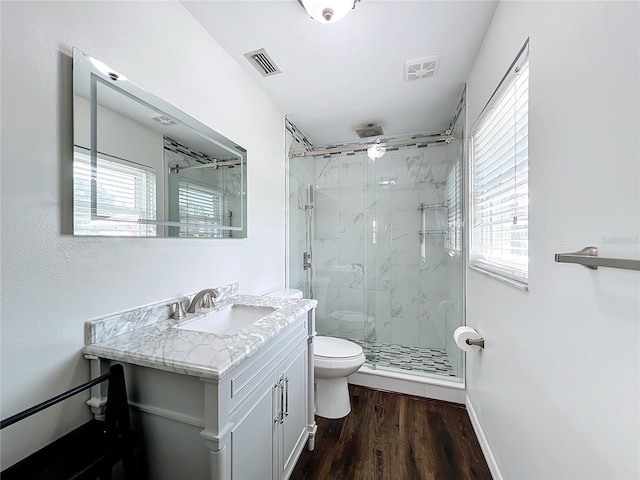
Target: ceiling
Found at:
341, 76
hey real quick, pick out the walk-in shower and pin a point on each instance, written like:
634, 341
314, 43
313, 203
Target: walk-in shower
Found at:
378, 244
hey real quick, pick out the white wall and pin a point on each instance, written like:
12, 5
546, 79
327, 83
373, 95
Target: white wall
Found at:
51, 282
143, 145
556, 389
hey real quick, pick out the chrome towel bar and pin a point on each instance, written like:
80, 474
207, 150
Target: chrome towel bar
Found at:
588, 257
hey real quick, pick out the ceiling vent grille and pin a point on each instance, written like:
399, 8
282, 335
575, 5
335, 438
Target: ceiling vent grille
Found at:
263, 63
370, 130
164, 120
418, 68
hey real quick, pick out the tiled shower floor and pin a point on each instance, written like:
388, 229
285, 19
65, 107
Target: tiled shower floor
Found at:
416, 359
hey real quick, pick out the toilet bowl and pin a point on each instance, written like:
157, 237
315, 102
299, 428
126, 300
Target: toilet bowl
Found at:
334, 360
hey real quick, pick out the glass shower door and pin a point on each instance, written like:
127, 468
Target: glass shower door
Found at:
300, 205
386, 267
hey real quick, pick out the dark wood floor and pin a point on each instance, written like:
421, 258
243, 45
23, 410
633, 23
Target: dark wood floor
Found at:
395, 437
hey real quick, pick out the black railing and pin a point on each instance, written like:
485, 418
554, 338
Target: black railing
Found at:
90, 450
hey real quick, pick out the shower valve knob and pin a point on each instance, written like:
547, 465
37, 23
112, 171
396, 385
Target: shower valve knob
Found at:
306, 260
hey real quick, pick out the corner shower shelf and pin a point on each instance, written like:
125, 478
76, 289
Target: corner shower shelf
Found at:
423, 207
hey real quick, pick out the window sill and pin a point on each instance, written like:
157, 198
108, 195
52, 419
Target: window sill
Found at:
501, 278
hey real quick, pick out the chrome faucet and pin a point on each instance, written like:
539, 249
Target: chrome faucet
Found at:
204, 298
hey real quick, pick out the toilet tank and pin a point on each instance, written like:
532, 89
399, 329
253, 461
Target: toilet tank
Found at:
284, 293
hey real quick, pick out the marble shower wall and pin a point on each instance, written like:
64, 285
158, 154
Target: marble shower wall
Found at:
373, 277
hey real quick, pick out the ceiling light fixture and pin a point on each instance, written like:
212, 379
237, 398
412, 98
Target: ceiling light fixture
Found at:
328, 11
376, 151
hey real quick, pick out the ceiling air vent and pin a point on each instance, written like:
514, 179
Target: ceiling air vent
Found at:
262, 62
369, 130
164, 120
418, 68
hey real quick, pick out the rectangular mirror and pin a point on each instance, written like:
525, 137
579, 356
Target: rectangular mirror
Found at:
144, 168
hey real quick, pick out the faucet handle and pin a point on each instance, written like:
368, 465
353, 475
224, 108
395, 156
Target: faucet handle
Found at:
177, 310
207, 300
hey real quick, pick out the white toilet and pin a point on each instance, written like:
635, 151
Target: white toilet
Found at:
334, 360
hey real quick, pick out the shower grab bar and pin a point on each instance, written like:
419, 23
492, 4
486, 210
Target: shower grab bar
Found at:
588, 257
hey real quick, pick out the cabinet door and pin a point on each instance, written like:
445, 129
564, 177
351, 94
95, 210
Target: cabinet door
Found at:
293, 430
252, 445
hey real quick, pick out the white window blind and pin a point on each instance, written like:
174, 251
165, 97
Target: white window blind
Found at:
126, 194
454, 202
202, 205
499, 178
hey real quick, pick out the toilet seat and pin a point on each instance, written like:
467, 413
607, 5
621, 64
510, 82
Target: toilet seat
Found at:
336, 349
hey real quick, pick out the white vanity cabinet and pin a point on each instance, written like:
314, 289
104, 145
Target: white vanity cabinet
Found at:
251, 423
271, 426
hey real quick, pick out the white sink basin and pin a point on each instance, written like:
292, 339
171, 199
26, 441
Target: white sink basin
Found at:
229, 320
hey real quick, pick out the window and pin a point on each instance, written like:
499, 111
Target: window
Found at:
499, 179
204, 205
125, 197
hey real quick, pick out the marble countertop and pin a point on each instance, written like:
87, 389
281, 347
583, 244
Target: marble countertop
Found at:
208, 355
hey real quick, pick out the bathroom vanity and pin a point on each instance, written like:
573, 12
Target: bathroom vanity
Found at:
231, 405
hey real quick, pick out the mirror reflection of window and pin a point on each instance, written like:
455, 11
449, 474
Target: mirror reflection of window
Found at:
126, 195
205, 206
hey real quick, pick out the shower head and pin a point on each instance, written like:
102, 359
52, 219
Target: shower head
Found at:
310, 195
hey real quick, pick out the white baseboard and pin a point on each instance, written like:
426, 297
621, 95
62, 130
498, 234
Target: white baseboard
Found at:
409, 384
484, 445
